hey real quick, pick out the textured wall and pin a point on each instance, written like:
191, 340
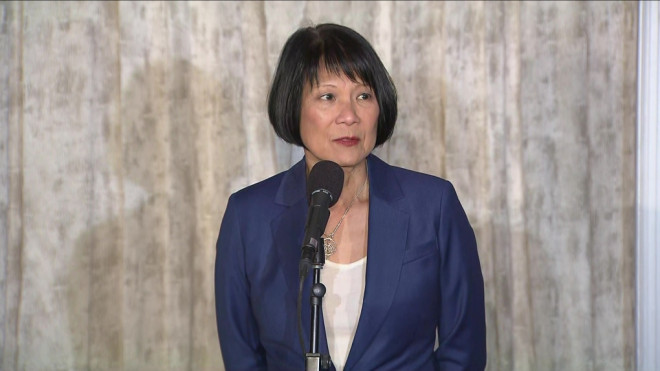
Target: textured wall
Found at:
125, 126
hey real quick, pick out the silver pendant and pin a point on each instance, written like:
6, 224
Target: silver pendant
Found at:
329, 246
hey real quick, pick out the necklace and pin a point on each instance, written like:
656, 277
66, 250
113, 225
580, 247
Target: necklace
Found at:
329, 244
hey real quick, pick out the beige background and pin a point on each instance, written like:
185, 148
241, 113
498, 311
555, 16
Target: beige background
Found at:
125, 126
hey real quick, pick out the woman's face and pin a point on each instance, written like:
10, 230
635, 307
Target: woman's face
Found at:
338, 120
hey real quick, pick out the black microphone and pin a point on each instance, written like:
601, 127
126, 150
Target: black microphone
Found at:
324, 186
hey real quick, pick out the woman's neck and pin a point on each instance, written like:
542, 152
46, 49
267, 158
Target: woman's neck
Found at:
355, 183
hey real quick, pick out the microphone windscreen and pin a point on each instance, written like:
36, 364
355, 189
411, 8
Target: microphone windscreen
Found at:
326, 175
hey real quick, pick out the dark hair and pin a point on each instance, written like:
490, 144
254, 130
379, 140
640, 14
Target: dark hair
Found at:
341, 50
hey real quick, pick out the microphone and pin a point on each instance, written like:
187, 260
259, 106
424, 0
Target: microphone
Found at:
324, 186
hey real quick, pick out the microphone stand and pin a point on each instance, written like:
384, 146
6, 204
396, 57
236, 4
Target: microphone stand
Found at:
314, 361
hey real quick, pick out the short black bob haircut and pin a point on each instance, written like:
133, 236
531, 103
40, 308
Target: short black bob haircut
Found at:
342, 51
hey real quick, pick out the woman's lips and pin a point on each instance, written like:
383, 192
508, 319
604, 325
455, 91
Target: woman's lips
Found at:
347, 141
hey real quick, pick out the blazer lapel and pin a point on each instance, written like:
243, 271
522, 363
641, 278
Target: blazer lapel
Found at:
287, 233
288, 230
388, 228
289, 226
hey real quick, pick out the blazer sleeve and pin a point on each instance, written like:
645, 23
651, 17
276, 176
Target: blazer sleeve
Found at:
237, 327
461, 321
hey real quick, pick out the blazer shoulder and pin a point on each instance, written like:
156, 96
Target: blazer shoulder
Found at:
284, 189
258, 193
393, 183
418, 181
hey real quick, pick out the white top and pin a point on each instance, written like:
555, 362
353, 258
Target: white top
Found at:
342, 304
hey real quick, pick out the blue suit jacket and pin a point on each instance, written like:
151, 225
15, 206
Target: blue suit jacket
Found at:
423, 273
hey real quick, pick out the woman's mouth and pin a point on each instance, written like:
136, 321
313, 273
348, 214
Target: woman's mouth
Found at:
347, 141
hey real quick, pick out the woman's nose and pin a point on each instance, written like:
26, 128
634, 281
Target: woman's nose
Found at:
347, 113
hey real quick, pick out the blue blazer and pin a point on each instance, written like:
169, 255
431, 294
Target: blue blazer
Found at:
423, 274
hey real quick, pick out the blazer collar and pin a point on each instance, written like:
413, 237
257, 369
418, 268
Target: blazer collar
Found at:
382, 182
293, 186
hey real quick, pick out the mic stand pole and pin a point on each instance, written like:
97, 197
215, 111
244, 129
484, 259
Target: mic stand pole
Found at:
314, 361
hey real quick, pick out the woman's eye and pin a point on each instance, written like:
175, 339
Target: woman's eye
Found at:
364, 96
327, 96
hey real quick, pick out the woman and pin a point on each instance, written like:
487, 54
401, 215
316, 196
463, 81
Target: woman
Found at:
404, 268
